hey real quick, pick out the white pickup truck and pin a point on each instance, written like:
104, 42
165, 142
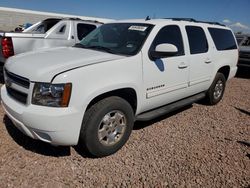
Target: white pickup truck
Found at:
92, 93
48, 33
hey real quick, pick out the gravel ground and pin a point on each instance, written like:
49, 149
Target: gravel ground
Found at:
199, 146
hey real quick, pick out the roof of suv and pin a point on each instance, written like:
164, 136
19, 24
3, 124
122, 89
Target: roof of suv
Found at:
172, 20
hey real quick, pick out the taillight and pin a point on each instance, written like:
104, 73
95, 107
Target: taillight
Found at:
7, 47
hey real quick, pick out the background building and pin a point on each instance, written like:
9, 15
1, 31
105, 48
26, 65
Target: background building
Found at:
10, 18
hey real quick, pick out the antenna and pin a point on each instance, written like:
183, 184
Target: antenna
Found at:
148, 18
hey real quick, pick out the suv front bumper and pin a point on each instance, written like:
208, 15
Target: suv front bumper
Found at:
57, 126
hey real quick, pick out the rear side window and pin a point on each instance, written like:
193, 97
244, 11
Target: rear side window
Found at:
84, 29
197, 40
170, 34
223, 39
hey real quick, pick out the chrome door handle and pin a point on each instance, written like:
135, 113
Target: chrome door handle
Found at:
182, 66
208, 61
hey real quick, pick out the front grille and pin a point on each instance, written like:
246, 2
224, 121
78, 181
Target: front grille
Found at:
18, 79
19, 96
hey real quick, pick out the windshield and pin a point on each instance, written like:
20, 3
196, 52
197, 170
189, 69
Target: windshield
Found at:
117, 38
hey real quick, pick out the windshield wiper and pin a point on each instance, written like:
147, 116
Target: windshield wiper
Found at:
101, 48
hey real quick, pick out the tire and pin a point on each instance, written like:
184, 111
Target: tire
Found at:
106, 126
216, 90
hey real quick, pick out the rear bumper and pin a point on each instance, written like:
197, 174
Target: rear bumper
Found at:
57, 126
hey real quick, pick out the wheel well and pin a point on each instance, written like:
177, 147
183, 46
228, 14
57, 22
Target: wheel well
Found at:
127, 94
225, 71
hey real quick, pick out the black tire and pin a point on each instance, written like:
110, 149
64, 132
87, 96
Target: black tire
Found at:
94, 118
219, 85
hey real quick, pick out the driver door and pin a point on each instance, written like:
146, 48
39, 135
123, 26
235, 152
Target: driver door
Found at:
165, 79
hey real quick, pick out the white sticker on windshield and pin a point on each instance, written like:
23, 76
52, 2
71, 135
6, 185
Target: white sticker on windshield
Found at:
137, 28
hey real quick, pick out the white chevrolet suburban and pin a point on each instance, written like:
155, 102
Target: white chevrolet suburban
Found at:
92, 93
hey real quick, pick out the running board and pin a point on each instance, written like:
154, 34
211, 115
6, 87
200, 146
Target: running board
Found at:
146, 116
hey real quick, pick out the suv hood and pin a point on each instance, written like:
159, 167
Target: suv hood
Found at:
43, 65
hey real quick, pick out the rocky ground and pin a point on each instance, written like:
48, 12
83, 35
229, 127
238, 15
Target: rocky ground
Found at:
198, 146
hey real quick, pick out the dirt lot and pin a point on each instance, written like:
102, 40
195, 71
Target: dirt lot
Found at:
199, 146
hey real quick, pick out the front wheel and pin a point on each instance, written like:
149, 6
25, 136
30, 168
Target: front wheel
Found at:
106, 126
216, 90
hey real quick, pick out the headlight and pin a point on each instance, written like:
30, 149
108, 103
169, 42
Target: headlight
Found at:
54, 95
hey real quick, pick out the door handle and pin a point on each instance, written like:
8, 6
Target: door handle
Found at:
182, 66
208, 61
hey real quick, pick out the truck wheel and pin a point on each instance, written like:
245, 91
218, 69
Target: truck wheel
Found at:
106, 126
216, 90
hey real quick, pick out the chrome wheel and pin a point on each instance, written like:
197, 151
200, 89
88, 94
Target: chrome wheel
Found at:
112, 128
218, 90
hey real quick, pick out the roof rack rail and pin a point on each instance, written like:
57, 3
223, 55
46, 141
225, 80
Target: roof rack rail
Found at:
213, 23
193, 20
76, 18
182, 19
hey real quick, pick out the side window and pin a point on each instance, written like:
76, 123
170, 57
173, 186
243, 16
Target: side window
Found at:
84, 29
197, 40
223, 39
62, 29
170, 34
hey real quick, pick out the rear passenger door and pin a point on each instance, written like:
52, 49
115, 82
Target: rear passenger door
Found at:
201, 62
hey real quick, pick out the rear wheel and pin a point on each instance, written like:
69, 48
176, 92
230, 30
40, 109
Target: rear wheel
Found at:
216, 90
106, 126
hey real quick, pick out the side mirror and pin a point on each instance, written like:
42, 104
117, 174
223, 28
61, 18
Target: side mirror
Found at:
163, 50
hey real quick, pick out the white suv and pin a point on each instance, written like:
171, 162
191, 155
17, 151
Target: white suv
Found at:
92, 93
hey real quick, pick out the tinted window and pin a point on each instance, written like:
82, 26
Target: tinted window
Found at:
197, 40
223, 39
117, 38
83, 30
170, 34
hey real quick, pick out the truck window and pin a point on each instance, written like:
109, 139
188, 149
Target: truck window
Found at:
223, 39
62, 29
170, 34
45, 25
84, 29
197, 40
